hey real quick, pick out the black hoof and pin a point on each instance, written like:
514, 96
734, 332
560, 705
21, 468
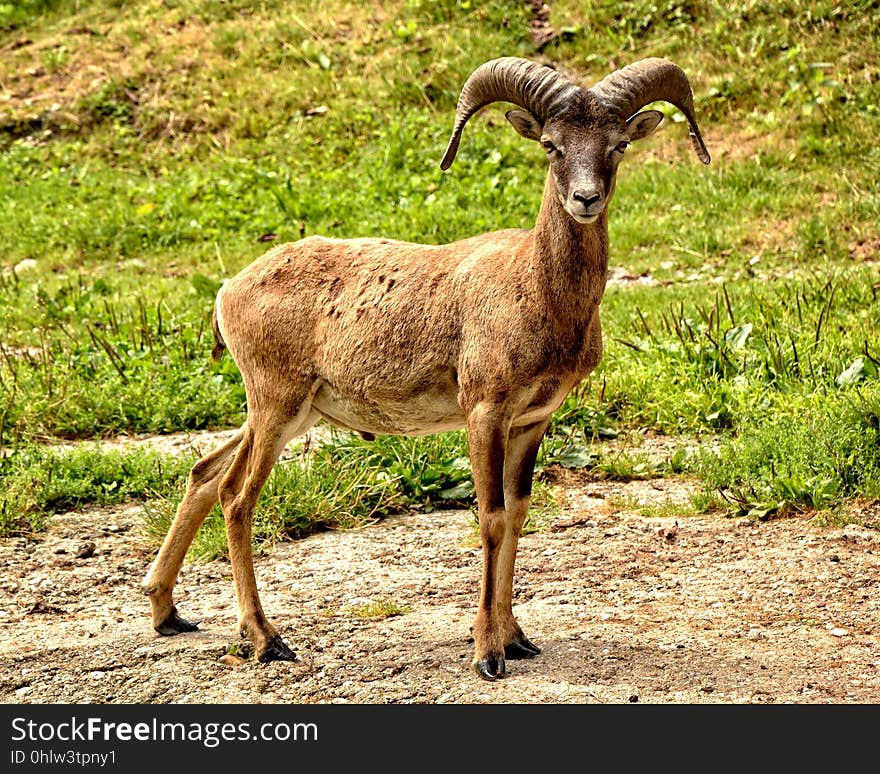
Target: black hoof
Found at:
277, 650
490, 668
521, 648
174, 624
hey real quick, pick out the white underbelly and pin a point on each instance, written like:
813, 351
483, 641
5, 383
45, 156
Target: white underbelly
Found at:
421, 414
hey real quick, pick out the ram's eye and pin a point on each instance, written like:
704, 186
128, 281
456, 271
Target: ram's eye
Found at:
548, 146
622, 146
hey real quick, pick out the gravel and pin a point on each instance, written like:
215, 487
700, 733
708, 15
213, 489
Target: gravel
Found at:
680, 610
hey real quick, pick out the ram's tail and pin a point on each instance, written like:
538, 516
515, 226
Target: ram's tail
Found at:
219, 345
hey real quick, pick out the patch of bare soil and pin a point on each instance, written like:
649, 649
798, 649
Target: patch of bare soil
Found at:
672, 610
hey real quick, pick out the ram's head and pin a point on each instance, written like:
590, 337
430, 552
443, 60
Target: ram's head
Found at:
584, 131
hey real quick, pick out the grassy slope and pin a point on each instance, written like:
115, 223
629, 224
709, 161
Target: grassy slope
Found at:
145, 151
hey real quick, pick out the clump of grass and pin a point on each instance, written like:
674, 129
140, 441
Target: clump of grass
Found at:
666, 508
429, 470
679, 364
103, 363
630, 466
323, 489
810, 454
37, 481
375, 610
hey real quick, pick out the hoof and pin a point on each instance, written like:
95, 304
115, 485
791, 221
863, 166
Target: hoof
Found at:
277, 650
174, 624
521, 648
490, 668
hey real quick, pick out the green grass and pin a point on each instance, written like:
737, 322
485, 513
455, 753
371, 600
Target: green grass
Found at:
301, 497
86, 359
685, 359
812, 457
39, 481
343, 483
148, 151
376, 610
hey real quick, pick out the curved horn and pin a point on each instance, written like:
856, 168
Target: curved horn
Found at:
649, 80
535, 87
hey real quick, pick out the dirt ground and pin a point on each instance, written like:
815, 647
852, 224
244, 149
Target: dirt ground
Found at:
679, 610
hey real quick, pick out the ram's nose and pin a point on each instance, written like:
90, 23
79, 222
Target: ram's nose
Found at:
587, 203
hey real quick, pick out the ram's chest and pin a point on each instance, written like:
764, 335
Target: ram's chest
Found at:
567, 348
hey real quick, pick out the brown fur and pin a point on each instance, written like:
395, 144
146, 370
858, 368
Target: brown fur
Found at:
378, 336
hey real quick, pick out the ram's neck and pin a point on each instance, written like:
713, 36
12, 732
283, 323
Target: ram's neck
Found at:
570, 259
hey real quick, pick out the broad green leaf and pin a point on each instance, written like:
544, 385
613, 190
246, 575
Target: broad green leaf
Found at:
575, 457
461, 492
736, 337
852, 374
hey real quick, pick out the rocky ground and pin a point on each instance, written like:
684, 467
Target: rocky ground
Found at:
676, 610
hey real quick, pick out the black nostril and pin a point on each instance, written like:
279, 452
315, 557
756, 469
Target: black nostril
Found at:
585, 198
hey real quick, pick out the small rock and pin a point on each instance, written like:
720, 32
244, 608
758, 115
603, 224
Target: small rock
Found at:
231, 660
85, 550
40, 608
668, 533
838, 632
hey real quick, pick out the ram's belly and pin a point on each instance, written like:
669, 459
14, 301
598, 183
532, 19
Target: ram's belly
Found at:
391, 411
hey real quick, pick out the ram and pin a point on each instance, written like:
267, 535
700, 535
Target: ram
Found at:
378, 336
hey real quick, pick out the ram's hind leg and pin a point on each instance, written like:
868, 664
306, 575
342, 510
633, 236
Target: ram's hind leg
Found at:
267, 434
201, 495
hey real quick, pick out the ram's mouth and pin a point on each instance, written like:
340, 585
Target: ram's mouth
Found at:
584, 219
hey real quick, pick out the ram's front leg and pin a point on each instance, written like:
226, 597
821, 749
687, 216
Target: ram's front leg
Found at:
519, 467
487, 439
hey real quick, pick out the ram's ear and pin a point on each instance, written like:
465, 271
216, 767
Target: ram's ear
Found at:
644, 123
526, 123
